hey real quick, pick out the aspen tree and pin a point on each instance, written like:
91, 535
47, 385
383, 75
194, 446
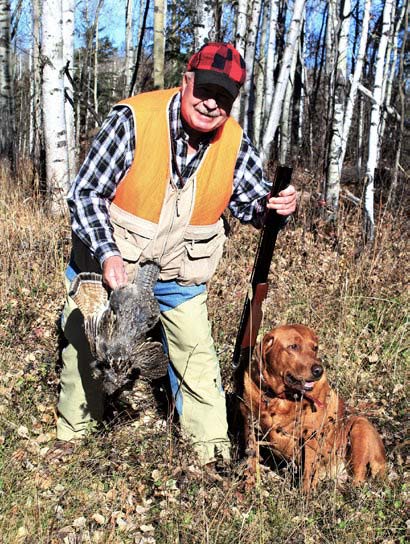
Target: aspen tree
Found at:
6, 99
248, 91
271, 58
55, 134
260, 77
332, 190
204, 23
276, 109
240, 43
128, 44
357, 74
375, 120
160, 16
286, 118
68, 55
401, 98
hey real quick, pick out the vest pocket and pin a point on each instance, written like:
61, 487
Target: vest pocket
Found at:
130, 244
201, 258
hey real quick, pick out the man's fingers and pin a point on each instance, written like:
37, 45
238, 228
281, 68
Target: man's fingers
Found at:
285, 202
114, 274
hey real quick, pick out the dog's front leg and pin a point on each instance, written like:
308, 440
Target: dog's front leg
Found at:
251, 452
310, 469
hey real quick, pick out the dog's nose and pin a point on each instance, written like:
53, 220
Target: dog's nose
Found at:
317, 371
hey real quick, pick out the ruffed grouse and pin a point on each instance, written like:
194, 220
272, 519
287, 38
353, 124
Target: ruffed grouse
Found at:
117, 327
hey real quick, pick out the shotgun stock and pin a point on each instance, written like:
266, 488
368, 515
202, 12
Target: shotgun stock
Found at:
258, 288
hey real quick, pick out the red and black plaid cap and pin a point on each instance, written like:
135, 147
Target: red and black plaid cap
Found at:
220, 64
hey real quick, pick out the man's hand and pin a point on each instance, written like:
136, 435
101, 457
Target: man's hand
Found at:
113, 270
285, 202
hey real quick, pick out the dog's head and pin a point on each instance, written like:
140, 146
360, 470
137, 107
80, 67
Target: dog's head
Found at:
288, 360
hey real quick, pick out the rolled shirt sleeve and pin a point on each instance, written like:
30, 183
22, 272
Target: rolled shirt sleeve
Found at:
107, 161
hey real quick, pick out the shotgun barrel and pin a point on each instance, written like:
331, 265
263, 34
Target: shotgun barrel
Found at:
252, 311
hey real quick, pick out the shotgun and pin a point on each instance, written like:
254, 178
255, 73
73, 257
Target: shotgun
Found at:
258, 287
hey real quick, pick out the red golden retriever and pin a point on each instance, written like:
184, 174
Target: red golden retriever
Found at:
289, 405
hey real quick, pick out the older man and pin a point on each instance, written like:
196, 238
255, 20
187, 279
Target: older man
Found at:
160, 173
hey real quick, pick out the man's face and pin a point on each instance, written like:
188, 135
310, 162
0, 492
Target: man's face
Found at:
204, 109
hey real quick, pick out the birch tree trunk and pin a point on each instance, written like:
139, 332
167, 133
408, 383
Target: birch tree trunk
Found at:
336, 140
248, 91
240, 42
390, 69
160, 16
260, 77
271, 58
304, 91
128, 44
360, 132
375, 120
6, 99
276, 109
95, 70
141, 34
36, 137
402, 86
204, 23
68, 55
55, 137
285, 122
357, 74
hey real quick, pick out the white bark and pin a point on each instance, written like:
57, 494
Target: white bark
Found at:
160, 17
260, 78
5, 82
248, 91
240, 41
304, 82
360, 131
128, 44
205, 24
390, 68
95, 80
335, 147
402, 104
68, 54
55, 136
351, 100
285, 122
375, 120
291, 43
271, 58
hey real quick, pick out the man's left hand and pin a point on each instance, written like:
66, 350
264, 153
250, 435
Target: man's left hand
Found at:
285, 202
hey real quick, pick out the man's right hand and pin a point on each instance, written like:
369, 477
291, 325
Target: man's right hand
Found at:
113, 271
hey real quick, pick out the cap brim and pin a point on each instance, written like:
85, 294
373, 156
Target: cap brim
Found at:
210, 77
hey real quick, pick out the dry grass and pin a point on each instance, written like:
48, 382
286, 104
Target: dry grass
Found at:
136, 480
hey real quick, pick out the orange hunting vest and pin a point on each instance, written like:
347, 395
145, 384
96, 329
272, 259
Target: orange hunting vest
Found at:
142, 190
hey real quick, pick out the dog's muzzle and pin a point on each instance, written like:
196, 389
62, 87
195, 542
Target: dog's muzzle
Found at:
301, 384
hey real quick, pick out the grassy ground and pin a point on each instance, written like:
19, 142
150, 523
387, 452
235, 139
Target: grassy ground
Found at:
136, 480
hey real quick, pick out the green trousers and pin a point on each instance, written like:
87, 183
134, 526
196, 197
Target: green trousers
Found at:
194, 373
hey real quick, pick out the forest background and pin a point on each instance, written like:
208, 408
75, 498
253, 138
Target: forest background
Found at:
328, 93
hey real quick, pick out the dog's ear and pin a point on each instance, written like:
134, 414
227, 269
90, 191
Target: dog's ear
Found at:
267, 342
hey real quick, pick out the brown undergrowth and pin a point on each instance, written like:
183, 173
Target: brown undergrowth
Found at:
136, 480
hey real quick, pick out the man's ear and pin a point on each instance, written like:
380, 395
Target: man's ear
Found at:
184, 82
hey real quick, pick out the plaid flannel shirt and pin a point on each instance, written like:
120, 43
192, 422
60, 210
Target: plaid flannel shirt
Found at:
111, 155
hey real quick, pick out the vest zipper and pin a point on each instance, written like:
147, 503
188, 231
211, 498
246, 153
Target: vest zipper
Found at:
178, 192
177, 201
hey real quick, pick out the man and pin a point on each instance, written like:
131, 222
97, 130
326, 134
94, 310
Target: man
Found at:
153, 187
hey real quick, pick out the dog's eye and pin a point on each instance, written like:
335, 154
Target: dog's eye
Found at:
293, 346
315, 348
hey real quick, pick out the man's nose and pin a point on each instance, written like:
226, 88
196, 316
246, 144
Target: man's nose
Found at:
211, 103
